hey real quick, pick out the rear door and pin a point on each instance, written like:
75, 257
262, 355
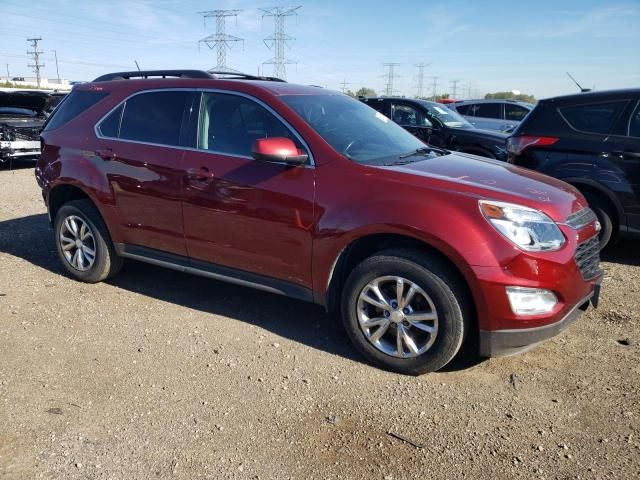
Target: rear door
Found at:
140, 143
249, 215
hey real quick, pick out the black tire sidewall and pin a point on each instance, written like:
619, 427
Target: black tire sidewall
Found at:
436, 283
606, 236
102, 264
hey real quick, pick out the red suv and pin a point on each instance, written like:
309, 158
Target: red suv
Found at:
311, 194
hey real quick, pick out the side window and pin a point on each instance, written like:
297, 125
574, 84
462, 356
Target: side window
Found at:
407, 116
73, 105
486, 110
232, 123
154, 117
594, 117
464, 109
634, 123
110, 126
376, 105
514, 112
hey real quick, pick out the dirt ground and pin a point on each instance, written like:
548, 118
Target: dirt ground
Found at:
159, 374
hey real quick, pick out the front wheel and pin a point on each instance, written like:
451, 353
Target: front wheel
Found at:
406, 311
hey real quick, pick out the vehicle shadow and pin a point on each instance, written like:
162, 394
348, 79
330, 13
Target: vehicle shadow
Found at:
30, 238
17, 165
625, 252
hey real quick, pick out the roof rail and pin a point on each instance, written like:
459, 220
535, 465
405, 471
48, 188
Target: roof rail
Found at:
242, 76
154, 73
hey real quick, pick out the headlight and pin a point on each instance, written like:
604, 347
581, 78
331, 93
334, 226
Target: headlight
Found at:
529, 229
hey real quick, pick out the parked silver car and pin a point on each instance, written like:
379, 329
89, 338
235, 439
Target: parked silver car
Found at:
502, 115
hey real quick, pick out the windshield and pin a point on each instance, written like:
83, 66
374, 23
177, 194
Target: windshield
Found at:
355, 130
24, 112
446, 115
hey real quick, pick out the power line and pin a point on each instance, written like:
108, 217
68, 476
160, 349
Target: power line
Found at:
279, 39
391, 76
220, 40
420, 78
36, 65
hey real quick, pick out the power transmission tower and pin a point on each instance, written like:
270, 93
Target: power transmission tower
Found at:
220, 40
420, 78
344, 84
36, 65
391, 76
434, 87
278, 41
55, 54
454, 88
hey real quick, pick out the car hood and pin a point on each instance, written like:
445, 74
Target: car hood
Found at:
37, 101
491, 179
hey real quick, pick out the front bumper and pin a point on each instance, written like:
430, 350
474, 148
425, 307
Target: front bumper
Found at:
19, 149
498, 343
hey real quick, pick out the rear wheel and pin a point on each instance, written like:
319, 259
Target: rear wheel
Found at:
405, 311
84, 244
605, 217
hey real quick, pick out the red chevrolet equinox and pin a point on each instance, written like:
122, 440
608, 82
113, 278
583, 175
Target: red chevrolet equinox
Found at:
311, 194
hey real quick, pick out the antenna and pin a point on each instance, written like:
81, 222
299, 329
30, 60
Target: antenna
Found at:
391, 75
279, 39
220, 40
582, 90
36, 65
137, 66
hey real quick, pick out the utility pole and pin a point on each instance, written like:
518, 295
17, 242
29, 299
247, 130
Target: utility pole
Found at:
220, 40
278, 41
36, 65
344, 84
420, 78
55, 54
454, 88
435, 87
8, 75
391, 76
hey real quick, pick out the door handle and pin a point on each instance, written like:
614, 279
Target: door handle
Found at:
201, 174
626, 154
105, 153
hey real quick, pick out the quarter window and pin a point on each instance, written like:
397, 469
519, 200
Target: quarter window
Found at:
231, 124
514, 112
464, 109
154, 117
110, 126
594, 117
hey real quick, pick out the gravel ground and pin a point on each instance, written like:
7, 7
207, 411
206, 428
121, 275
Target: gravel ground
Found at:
159, 374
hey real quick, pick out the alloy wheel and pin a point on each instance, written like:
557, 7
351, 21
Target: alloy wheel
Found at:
77, 243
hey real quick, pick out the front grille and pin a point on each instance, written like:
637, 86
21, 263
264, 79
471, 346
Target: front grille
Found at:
580, 219
26, 133
588, 258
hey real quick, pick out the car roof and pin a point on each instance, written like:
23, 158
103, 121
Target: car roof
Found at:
492, 100
585, 97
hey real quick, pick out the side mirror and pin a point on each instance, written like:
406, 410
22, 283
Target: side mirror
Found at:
278, 149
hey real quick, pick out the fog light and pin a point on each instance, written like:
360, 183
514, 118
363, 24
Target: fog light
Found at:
531, 301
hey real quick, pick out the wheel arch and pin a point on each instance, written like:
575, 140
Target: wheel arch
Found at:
589, 186
64, 193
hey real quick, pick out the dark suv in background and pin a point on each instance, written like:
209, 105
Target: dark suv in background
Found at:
438, 125
592, 141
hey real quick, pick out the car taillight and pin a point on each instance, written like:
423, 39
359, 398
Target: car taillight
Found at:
517, 145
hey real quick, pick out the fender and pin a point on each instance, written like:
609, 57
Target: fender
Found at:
600, 188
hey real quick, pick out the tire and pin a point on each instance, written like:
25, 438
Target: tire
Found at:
605, 217
105, 263
447, 298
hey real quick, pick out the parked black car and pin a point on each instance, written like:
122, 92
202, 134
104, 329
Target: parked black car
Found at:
440, 126
592, 141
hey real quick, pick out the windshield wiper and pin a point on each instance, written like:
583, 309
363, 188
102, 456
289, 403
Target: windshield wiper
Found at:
424, 151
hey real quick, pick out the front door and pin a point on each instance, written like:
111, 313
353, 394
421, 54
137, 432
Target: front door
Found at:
241, 213
140, 145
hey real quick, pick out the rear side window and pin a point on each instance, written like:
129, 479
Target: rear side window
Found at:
376, 105
73, 105
486, 110
154, 117
464, 109
514, 112
594, 117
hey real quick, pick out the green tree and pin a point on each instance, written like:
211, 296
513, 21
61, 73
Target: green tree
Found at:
366, 92
521, 97
350, 93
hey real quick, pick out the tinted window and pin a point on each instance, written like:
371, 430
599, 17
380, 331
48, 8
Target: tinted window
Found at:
486, 110
73, 105
110, 126
376, 105
634, 123
463, 109
408, 116
352, 128
593, 118
154, 117
231, 124
514, 112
